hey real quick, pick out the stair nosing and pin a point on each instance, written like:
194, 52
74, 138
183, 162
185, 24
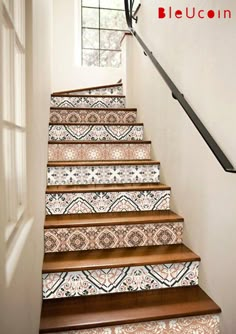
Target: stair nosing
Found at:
94, 109
88, 88
110, 258
89, 95
107, 188
54, 222
97, 124
105, 142
102, 163
105, 160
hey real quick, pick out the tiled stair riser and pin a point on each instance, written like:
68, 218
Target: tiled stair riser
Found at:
95, 132
99, 151
107, 237
87, 101
115, 90
72, 203
204, 324
107, 174
124, 279
92, 116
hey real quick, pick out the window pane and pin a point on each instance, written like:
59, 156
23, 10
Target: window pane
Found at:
91, 38
19, 19
111, 39
7, 73
113, 19
20, 159
9, 6
90, 58
110, 58
19, 88
90, 17
9, 176
117, 4
90, 3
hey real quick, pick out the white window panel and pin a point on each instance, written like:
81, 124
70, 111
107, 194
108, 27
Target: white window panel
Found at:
9, 6
9, 176
14, 114
7, 73
90, 3
19, 108
20, 158
114, 4
19, 20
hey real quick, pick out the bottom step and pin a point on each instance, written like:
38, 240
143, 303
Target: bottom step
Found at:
205, 324
101, 311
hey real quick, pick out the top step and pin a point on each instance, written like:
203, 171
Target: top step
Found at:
87, 101
114, 89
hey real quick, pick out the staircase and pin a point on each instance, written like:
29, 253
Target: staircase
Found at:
114, 260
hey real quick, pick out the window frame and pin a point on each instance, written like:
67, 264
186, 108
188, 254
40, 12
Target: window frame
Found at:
13, 120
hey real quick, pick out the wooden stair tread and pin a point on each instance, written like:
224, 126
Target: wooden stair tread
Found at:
121, 308
96, 124
107, 187
102, 163
89, 95
116, 142
109, 218
91, 108
116, 258
88, 88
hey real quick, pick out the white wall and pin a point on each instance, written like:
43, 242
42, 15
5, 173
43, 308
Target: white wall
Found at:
21, 295
199, 56
67, 73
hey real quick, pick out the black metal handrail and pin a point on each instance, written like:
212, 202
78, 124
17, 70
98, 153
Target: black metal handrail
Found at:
210, 141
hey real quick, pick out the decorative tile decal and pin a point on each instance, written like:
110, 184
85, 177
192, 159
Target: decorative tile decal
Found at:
83, 152
111, 280
87, 102
92, 116
72, 203
103, 174
125, 279
115, 90
114, 236
95, 132
204, 324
